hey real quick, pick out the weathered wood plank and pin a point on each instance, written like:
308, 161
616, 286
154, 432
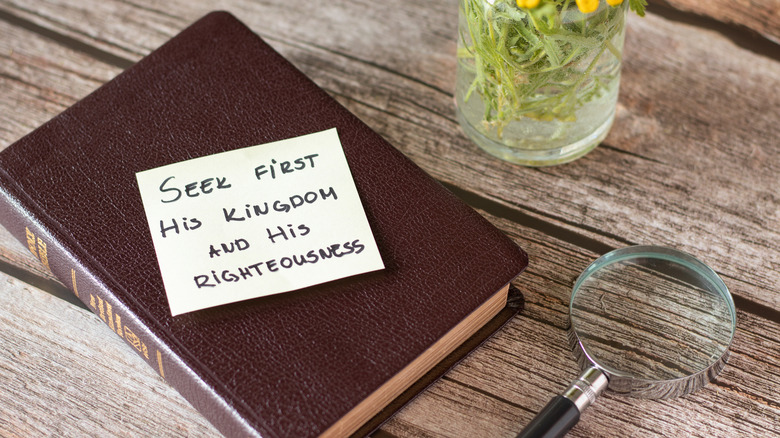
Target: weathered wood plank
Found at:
492, 393
692, 162
477, 400
39, 79
65, 373
762, 16
672, 171
516, 373
85, 21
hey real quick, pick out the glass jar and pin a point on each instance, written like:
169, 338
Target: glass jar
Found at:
538, 86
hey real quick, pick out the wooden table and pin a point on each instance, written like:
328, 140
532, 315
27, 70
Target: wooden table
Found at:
693, 162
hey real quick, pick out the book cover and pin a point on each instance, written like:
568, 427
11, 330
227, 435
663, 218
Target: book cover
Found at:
316, 361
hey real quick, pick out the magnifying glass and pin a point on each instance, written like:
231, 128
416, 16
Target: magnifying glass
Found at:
645, 321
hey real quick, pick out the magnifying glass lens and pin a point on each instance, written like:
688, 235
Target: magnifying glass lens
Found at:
646, 321
653, 316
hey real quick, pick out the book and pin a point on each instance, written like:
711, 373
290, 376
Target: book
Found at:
326, 360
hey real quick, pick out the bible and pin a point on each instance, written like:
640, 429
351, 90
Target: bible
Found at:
324, 360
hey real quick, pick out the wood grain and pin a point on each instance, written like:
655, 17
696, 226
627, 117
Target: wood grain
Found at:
692, 162
529, 362
761, 16
670, 129
64, 374
492, 393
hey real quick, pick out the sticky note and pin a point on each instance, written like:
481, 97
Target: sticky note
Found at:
257, 221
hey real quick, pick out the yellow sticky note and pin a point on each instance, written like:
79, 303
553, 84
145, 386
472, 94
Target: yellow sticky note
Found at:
257, 221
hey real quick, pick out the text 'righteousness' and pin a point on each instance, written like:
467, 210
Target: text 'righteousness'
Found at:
336, 250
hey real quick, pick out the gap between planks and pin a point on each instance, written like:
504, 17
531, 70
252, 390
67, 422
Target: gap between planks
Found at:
739, 34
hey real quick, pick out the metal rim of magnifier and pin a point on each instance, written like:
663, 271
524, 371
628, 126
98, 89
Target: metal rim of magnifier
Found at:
625, 384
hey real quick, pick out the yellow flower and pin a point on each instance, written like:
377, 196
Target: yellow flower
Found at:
614, 2
528, 3
587, 6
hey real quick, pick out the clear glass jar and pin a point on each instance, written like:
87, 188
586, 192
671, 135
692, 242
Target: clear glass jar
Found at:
538, 86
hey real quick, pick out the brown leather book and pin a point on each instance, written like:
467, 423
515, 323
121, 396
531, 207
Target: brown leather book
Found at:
323, 360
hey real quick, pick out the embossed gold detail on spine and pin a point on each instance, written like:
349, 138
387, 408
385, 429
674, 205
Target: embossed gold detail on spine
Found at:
31, 241
73, 279
119, 325
37, 247
100, 308
160, 364
105, 311
43, 254
132, 338
110, 316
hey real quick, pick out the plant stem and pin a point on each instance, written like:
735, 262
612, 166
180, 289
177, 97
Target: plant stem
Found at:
536, 63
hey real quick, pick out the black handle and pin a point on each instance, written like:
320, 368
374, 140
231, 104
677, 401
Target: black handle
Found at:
557, 418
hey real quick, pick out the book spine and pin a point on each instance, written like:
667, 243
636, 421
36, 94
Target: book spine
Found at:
53, 254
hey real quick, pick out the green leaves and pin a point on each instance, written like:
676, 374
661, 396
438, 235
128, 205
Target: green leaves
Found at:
538, 62
638, 6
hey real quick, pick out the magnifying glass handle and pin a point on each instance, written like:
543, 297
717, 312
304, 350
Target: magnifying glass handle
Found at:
563, 411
